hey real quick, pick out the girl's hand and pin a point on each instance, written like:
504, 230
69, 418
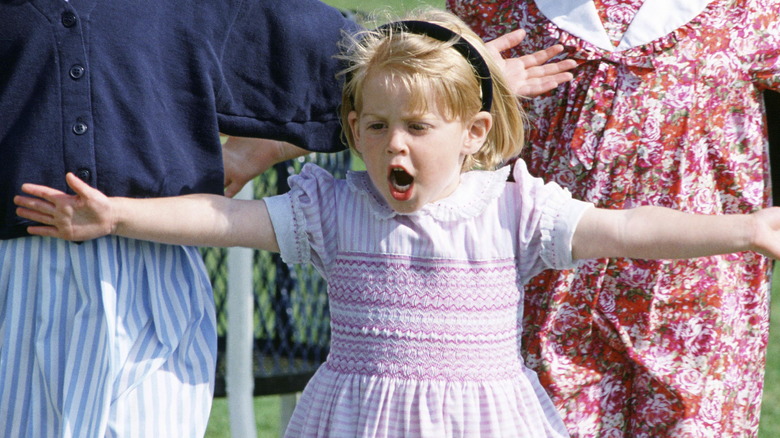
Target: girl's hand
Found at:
528, 75
766, 235
83, 216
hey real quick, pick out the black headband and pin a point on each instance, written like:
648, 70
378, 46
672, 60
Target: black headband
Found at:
463, 47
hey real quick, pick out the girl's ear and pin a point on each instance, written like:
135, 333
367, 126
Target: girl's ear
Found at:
477, 132
352, 120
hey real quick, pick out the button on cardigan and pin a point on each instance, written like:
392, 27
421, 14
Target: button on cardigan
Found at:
132, 100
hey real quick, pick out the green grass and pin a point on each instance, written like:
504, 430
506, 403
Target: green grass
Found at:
770, 405
267, 418
395, 6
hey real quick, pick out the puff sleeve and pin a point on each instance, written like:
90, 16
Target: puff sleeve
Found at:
304, 219
546, 218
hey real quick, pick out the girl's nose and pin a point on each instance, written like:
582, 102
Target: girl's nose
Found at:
396, 143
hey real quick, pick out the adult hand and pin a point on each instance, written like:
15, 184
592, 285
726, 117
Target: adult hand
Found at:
530, 75
244, 158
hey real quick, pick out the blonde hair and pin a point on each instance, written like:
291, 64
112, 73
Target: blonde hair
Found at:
418, 62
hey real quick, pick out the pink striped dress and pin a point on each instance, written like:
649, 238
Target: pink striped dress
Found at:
672, 115
424, 306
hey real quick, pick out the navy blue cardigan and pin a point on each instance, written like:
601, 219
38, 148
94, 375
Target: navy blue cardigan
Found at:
131, 94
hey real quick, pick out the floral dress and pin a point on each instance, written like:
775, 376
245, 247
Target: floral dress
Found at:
424, 328
665, 109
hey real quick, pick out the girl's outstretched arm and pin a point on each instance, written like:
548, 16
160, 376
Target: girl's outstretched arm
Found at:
663, 233
200, 219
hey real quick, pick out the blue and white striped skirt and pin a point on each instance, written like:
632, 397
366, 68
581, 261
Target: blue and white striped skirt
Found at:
113, 337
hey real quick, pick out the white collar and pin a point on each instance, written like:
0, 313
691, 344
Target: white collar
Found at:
655, 19
477, 189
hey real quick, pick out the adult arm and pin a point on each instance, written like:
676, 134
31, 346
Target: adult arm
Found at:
277, 71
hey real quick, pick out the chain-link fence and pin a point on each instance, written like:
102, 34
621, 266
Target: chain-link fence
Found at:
291, 319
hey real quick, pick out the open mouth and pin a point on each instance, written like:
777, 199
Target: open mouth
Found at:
401, 183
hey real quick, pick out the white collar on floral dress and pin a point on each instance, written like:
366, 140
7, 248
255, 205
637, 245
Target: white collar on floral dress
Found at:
655, 19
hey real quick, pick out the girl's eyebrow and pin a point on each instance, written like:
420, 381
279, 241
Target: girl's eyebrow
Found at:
370, 116
427, 117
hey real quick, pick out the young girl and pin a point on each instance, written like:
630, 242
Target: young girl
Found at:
424, 256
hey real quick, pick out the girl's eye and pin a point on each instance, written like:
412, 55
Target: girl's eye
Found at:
418, 126
375, 126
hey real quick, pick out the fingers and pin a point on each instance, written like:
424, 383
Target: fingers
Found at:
36, 206
549, 82
34, 215
43, 192
41, 206
541, 56
42, 203
38, 210
533, 89
555, 68
533, 75
232, 188
38, 230
507, 41
79, 187
545, 77
73, 217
